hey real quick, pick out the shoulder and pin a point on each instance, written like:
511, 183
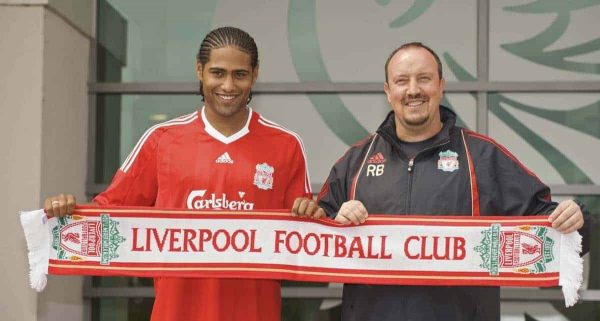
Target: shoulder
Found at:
488, 148
181, 123
277, 132
483, 143
153, 135
359, 148
174, 125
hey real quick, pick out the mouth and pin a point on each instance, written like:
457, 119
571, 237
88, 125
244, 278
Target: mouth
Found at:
415, 103
227, 97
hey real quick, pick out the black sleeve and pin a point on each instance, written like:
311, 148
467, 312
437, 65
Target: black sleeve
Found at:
334, 191
522, 192
586, 229
507, 187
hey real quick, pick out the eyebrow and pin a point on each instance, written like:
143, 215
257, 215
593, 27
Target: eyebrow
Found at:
408, 76
223, 69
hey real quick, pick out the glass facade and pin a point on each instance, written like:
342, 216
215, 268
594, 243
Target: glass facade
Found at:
153, 44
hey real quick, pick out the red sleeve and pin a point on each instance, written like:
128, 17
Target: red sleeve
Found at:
135, 183
299, 184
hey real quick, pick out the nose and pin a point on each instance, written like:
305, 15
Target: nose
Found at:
228, 84
413, 88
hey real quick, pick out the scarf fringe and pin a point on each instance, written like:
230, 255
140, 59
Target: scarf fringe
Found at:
38, 244
571, 267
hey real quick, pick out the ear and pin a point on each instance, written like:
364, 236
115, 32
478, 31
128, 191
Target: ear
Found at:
254, 74
199, 70
386, 89
442, 86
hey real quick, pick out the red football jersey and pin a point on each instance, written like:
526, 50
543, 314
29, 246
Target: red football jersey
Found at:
187, 163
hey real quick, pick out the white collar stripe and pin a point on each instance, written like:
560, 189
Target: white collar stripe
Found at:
214, 133
146, 134
150, 130
268, 123
186, 119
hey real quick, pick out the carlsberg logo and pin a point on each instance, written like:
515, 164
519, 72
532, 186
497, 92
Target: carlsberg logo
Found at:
196, 201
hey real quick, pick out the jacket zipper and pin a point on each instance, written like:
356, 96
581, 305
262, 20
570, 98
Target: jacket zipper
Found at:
408, 196
411, 165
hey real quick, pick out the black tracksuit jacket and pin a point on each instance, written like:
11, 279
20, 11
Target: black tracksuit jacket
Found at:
487, 180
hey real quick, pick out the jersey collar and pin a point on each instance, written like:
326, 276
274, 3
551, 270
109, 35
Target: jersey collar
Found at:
214, 133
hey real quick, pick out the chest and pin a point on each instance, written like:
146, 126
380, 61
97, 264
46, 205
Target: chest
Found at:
437, 182
198, 160
207, 174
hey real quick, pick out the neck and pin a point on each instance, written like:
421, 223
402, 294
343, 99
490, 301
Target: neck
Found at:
227, 125
417, 134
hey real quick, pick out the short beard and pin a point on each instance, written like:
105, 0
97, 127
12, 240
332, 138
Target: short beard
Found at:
418, 122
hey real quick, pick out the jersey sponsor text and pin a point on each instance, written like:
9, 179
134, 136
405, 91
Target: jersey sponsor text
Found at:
196, 201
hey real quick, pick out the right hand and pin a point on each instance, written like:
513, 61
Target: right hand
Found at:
352, 212
59, 205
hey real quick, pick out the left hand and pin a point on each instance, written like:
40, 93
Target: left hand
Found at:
567, 217
306, 207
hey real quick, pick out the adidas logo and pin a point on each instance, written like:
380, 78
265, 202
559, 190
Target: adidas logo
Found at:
376, 159
224, 159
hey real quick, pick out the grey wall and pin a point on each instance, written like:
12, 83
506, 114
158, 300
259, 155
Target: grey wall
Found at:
43, 136
21, 60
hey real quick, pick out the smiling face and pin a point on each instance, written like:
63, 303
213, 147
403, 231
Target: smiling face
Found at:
414, 91
227, 79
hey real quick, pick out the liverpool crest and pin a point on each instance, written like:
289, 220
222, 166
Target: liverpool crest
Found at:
77, 238
448, 161
524, 250
263, 178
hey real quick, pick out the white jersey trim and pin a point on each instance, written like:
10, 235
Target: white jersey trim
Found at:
265, 122
214, 133
186, 119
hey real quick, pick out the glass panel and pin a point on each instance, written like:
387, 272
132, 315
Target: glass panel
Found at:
544, 40
556, 135
130, 309
120, 281
548, 311
300, 41
111, 54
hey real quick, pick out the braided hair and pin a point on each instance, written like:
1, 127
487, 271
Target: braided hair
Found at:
223, 37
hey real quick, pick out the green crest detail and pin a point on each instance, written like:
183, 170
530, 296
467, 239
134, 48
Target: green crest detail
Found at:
488, 249
548, 244
448, 153
62, 254
111, 239
417, 9
535, 49
580, 118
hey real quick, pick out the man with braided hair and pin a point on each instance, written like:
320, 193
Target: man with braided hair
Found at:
223, 156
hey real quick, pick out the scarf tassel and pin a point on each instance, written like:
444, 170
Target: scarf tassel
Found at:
38, 245
571, 267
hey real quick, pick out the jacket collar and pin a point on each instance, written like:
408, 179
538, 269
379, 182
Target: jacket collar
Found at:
387, 129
